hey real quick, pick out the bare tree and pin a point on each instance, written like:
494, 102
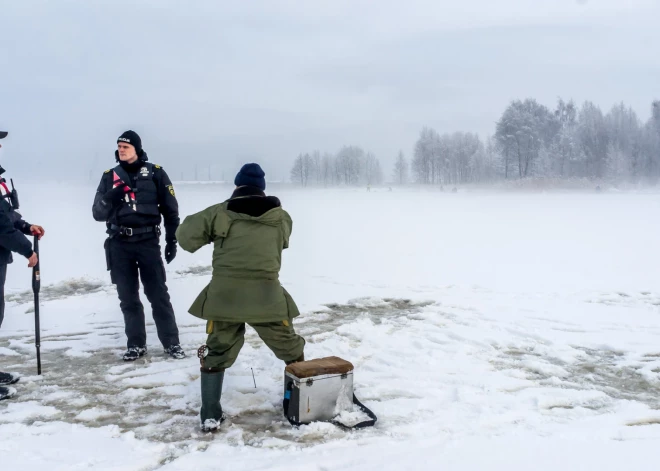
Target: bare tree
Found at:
303, 168
401, 169
426, 163
327, 170
349, 163
378, 173
308, 168
372, 171
316, 167
297, 171
655, 115
651, 143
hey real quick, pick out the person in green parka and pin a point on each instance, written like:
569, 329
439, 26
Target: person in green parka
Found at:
248, 232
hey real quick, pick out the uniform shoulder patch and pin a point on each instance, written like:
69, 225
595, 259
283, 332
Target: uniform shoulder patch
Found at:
171, 190
157, 166
108, 171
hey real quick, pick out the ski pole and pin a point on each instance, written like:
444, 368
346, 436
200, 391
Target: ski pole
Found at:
36, 285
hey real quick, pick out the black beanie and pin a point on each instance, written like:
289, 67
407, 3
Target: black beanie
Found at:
251, 175
132, 138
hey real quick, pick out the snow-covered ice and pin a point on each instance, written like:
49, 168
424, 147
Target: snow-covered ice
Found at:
488, 330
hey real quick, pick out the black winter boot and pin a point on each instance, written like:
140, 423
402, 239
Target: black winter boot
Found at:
133, 353
9, 378
211, 412
175, 351
6, 393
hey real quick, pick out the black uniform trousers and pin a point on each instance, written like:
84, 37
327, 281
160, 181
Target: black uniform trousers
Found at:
143, 257
3, 278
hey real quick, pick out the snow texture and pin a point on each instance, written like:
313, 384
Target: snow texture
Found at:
488, 331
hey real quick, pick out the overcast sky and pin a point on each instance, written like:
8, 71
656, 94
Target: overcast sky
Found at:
229, 82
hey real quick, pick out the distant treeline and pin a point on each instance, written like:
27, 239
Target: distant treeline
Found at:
530, 140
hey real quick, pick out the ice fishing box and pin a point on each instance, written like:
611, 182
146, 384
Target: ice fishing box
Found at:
317, 390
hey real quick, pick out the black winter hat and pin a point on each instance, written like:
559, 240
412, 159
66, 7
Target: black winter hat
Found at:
251, 175
132, 138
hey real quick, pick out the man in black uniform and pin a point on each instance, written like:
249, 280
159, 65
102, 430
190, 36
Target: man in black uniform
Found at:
13, 230
130, 200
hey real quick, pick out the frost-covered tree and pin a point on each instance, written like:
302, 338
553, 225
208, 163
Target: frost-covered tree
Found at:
565, 150
593, 140
522, 131
624, 152
529, 141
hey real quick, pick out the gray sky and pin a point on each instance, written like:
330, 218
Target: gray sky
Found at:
223, 83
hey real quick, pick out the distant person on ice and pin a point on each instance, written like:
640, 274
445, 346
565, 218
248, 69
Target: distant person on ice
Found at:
131, 199
13, 230
248, 232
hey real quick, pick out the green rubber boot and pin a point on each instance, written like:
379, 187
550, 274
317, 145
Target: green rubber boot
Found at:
211, 412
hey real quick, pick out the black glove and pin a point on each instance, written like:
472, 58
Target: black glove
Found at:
115, 195
170, 251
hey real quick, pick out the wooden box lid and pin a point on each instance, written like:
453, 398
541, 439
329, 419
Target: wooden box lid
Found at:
319, 366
